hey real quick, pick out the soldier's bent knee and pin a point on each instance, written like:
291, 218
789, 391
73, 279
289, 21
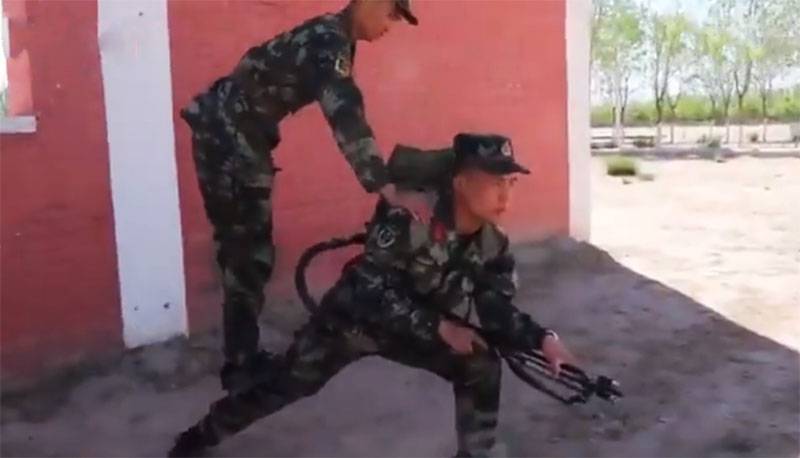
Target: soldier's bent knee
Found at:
483, 367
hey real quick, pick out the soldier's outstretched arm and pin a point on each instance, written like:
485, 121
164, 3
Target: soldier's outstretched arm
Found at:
343, 106
496, 311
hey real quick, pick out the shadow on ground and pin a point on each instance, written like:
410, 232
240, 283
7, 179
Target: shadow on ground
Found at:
696, 384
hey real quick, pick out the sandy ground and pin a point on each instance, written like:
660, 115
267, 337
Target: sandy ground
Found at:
694, 308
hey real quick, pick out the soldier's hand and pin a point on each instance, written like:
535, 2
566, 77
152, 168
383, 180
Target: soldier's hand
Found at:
461, 339
556, 353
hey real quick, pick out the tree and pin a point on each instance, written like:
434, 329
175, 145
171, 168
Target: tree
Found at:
599, 11
666, 41
775, 49
714, 67
616, 52
674, 93
736, 18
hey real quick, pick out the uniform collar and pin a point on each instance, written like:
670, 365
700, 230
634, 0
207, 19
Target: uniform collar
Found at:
483, 244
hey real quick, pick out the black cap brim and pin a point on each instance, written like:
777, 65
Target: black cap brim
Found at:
407, 15
504, 168
495, 167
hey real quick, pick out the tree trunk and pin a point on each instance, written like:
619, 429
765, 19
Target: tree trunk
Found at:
658, 134
766, 120
741, 132
618, 110
727, 130
672, 132
740, 117
713, 119
659, 122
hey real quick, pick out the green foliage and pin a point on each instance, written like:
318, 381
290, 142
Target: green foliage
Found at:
616, 33
693, 109
668, 40
742, 48
602, 115
642, 114
786, 106
617, 38
782, 106
751, 109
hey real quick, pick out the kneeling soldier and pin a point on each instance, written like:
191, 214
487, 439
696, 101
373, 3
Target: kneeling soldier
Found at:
391, 301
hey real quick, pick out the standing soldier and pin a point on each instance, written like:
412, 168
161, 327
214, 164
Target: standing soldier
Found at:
234, 130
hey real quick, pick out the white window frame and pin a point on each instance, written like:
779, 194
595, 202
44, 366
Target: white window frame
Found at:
13, 124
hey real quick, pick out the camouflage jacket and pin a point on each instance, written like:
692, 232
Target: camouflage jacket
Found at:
312, 62
411, 271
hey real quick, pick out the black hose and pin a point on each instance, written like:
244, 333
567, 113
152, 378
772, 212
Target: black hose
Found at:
305, 260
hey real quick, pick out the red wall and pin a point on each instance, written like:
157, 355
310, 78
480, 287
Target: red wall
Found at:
485, 65
495, 68
59, 292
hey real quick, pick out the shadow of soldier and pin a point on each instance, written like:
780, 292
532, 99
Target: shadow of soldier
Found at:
695, 383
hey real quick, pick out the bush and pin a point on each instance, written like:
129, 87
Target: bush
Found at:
642, 114
714, 142
786, 107
702, 140
750, 111
602, 115
783, 105
693, 108
753, 137
621, 166
644, 142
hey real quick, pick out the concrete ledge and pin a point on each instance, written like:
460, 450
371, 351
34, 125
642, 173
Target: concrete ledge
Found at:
18, 125
699, 152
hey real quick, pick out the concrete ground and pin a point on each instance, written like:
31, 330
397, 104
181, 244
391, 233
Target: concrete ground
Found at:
689, 298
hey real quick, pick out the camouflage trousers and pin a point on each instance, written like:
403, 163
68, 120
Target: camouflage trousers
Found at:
321, 349
235, 170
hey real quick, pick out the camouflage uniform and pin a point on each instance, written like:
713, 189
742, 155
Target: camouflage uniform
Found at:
388, 302
234, 129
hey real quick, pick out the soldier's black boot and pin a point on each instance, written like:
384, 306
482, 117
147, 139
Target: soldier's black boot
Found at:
260, 368
191, 443
235, 378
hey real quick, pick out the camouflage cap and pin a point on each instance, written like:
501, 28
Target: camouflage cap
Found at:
489, 152
404, 10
